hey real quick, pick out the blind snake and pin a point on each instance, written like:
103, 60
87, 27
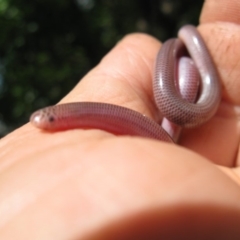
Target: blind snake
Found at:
123, 121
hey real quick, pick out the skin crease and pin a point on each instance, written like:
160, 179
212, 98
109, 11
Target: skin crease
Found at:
92, 185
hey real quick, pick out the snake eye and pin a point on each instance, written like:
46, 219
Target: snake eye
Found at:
51, 119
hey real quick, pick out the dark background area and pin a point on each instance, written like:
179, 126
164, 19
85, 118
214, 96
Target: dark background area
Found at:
47, 46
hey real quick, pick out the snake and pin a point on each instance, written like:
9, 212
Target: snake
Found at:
178, 110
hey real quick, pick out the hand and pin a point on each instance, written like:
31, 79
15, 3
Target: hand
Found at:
68, 184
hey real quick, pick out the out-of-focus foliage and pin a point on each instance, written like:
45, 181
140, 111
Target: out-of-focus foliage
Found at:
47, 46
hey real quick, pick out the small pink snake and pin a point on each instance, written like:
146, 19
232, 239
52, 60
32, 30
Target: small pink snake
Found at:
174, 107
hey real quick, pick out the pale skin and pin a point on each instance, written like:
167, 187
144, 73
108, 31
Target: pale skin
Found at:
90, 184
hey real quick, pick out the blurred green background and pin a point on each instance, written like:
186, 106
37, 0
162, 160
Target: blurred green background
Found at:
47, 46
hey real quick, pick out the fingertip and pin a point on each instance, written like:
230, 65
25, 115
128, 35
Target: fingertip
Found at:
224, 11
123, 77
